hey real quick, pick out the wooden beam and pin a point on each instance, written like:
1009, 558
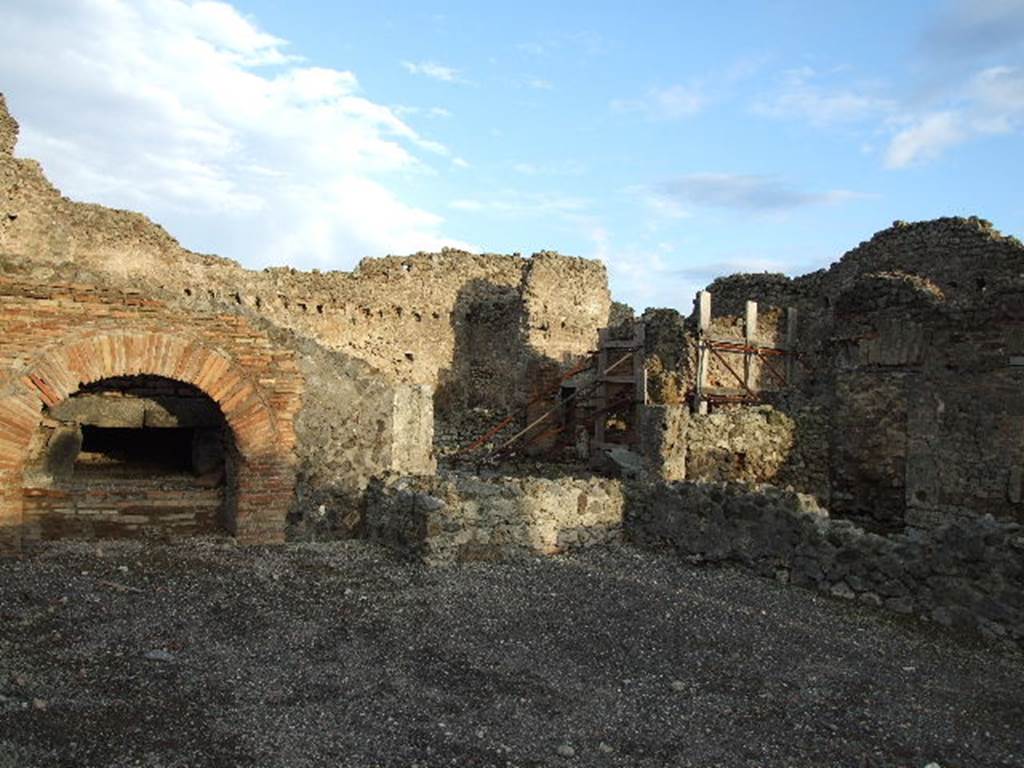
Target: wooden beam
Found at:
703, 330
640, 363
733, 372
602, 387
704, 311
791, 341
750, 336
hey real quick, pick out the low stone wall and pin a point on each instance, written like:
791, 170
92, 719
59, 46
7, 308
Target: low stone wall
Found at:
968, 573
457, 517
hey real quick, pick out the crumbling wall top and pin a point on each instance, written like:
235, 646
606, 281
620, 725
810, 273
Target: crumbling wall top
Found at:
8, 129
962, 260
731, 292
880, 290
966, 259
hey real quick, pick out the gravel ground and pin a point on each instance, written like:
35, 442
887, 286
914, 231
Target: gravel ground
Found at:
206, 654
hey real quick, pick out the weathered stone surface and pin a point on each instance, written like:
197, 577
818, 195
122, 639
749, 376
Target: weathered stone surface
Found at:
967, 573
784, 445
8, 129
905, 402
664, 438
412, 430
62, 445
353, 425
460, 517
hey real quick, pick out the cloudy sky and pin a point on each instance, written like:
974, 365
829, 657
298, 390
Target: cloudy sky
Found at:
676, 141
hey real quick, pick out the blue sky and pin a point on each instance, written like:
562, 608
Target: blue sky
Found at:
675, 141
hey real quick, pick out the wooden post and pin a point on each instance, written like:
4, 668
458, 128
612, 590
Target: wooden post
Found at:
704, 303
703, 330
750, 339
791, 320
602, 387
639, 380
639, 363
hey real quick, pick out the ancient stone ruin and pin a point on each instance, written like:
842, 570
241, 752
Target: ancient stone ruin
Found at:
858, 430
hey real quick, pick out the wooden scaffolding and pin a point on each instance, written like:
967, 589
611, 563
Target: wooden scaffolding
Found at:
745, 352
621, 387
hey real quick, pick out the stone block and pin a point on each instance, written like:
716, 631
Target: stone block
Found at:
100, 411
412, 430
455, 517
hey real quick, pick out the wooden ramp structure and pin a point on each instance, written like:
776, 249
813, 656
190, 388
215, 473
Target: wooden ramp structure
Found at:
613, 393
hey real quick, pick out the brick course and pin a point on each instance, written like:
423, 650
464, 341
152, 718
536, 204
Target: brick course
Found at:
54, 339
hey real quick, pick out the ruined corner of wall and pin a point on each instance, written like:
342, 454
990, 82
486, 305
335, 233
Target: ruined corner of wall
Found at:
663, 440
412, 418
8, 129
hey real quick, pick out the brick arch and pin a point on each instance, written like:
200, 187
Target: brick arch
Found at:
266, 475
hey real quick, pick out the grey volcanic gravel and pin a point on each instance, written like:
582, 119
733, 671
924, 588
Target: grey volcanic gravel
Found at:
207, 654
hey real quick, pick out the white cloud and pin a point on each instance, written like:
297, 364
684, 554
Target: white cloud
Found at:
433, 70
663, 274
673, 102
193, 114
517, 205
916, 129
802, 94
925, 139
404, 110
992, 102
564, 168
676, 101
221, 25
645, 275
999, 92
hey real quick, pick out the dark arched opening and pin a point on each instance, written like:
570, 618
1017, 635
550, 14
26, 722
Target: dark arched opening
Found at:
131, 456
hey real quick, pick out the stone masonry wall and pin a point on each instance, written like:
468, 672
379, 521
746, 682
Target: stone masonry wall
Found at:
312, 426
411, 318
966, 573
460, 517
785, 445
927, 400
910, 348
353, 425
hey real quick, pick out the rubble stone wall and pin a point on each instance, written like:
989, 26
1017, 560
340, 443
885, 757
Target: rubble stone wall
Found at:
911, 348
461, 517
927, 400
967, 573
779, 444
